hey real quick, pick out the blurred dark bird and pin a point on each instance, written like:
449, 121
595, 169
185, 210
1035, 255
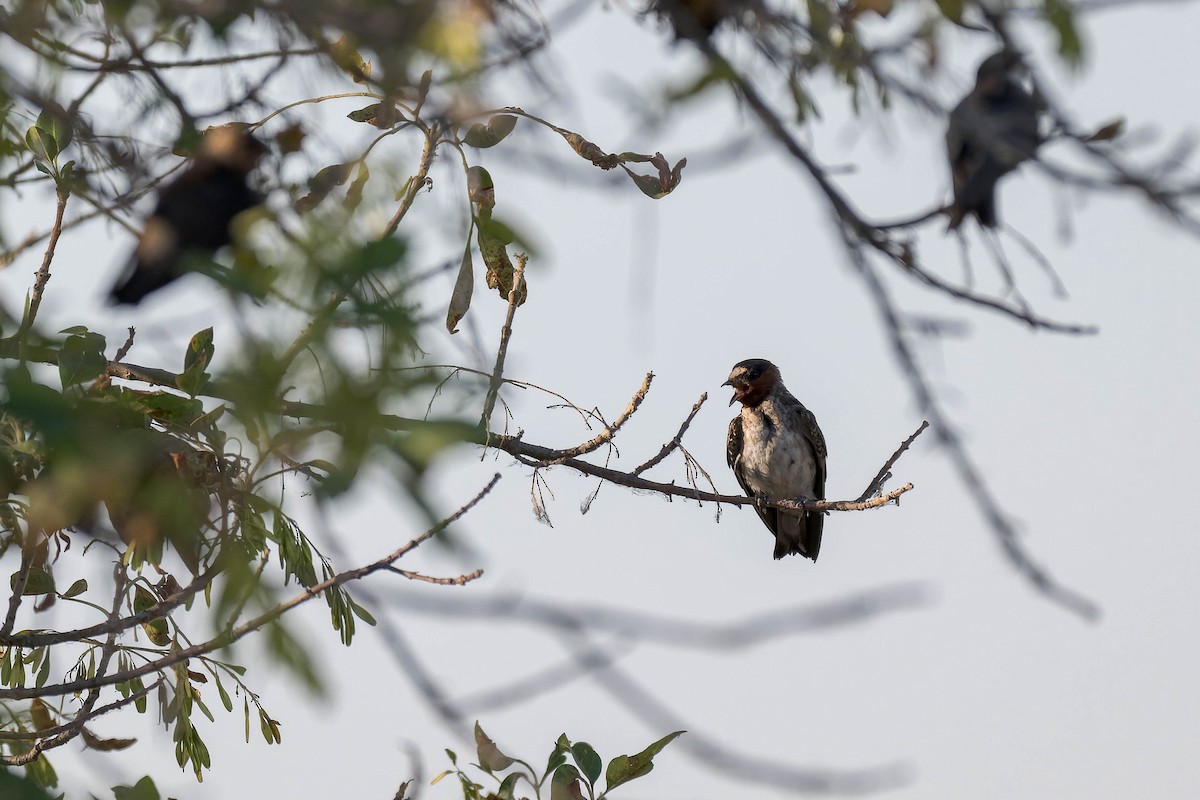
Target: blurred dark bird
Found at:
777, 451
692, 19
194, 212
991, 131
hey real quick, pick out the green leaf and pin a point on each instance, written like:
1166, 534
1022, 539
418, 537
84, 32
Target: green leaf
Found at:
77, 588
490, 757
38, 582
81, 358
57, 126
565, 784
354, 194
952, 10
481, 189
508, 787
156, 629
558, 757
199, 351
588, 760
42, 145
361, 612
15, 787
1061, 17
623, 769
321, 184
464, 287
375, 114
497, 128
144, 789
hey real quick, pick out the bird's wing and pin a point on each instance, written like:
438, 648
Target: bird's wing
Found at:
812, 432
733, 454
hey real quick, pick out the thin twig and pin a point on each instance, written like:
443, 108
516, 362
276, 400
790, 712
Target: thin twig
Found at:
876, 484
670, 446
515, 297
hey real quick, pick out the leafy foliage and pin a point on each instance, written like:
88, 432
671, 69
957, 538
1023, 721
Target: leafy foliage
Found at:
572, 771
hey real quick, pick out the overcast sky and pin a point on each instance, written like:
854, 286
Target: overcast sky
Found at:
979, 688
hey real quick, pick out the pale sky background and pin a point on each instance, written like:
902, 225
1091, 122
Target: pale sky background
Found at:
985, 691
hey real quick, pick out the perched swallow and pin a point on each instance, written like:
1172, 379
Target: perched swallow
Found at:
777, 451
194, 212
991, 131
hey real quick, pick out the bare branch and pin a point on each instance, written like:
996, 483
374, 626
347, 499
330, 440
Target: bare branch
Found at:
670, 446
516, 296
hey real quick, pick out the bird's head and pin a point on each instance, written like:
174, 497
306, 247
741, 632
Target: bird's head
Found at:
232, 146
997, 70
752, 380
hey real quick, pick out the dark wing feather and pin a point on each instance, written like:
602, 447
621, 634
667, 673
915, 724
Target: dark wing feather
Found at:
733, 454
814, 520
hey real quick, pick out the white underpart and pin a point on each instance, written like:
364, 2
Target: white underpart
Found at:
776, 459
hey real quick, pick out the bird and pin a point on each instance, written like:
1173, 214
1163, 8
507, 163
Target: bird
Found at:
776, 450
990, 132
194, 212
696, 19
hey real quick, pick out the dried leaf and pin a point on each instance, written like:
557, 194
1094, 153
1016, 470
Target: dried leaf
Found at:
662, 184
464, 287
105, 745
1108, 131
490, 757
591, 151
40, 714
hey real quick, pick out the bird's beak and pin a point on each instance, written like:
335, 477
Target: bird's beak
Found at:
733, 399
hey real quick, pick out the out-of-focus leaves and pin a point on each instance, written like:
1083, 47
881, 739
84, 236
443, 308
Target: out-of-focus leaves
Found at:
144, 789
347, 57
199, 350
163, 405
39, 713
15, 787
195, 360
379, 115
490, 757
82, 357
623, 769
880, 7
481, 190
156, 629
491, 134
320, 185
291, 138
354, 194
1061, 17
952, 9
464, 287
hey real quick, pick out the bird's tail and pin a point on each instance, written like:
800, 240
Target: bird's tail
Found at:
799, 535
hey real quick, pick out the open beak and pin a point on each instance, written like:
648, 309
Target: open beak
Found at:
733, 399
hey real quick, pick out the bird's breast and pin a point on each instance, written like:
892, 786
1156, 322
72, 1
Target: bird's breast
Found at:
776, 459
